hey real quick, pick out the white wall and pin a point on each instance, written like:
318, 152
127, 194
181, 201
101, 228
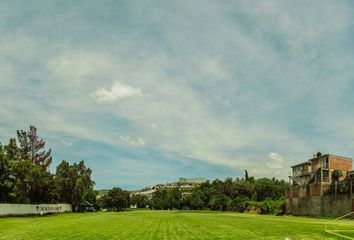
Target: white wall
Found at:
19, 209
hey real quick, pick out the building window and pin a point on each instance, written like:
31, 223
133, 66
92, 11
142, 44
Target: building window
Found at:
325, 163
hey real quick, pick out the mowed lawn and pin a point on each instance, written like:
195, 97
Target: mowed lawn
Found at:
170, 225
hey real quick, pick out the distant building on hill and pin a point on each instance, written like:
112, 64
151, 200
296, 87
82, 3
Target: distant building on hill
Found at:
183, 183
321, 186
191, 180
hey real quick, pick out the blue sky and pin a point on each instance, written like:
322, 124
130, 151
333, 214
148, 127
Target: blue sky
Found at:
149, 91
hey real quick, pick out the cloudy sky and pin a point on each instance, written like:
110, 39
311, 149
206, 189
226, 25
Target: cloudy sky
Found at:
149, 91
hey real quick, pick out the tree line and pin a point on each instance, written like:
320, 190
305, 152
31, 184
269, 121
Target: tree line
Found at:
25, 176
262, 195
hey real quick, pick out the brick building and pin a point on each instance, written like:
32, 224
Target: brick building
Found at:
319, 184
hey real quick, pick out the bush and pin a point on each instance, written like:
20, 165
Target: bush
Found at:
267, 206
252, 207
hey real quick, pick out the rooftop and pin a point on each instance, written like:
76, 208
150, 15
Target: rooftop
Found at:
321, 156
303, 163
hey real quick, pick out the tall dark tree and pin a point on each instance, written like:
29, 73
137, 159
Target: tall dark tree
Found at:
173, 198
25, 176
246, 175
33, 184
265, 188
7, 180
11, 150
32, 147
140, 201
65, 178
42, 187
75, 183
21, 173
195, 200
116, 199
159, 200
226, 187
220, 202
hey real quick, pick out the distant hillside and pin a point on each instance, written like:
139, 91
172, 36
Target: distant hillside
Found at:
183, 183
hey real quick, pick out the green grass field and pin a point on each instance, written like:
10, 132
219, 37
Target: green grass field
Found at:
168, 225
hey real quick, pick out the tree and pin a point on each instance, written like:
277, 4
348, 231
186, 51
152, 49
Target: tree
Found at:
11, 150
158, 200
65, 178
83, 184
91, 197
220, 202
226, 187
265, 188
117, 199
33, 184
21, 171
243, 188
42, 186
195, 200
173, 198
7, 180
204, 191
75, 183
31, 147
139, 200
336, 174
25, 177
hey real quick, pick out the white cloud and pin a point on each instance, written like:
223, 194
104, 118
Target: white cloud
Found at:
274, 160
139, 141
274, 166
67, 143
118, 91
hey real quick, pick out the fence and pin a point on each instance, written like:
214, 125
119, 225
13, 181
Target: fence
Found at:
23, 209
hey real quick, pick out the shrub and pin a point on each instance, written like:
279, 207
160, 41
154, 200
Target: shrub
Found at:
267, 206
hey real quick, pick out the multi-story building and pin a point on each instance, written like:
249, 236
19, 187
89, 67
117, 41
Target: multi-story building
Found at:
315, 181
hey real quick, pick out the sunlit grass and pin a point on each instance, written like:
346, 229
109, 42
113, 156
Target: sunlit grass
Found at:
165, 225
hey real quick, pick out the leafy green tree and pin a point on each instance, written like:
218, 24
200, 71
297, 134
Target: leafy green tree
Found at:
139, 200
91, 197
75, 183
65, 178
116, 199
173, 198
196, 200
226, 187
11, 150
242, 189
159, 200
32, 147
33, 183
7, 180
207, 191
266, 188
42, 186
220, 202
21, 171
25, 177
